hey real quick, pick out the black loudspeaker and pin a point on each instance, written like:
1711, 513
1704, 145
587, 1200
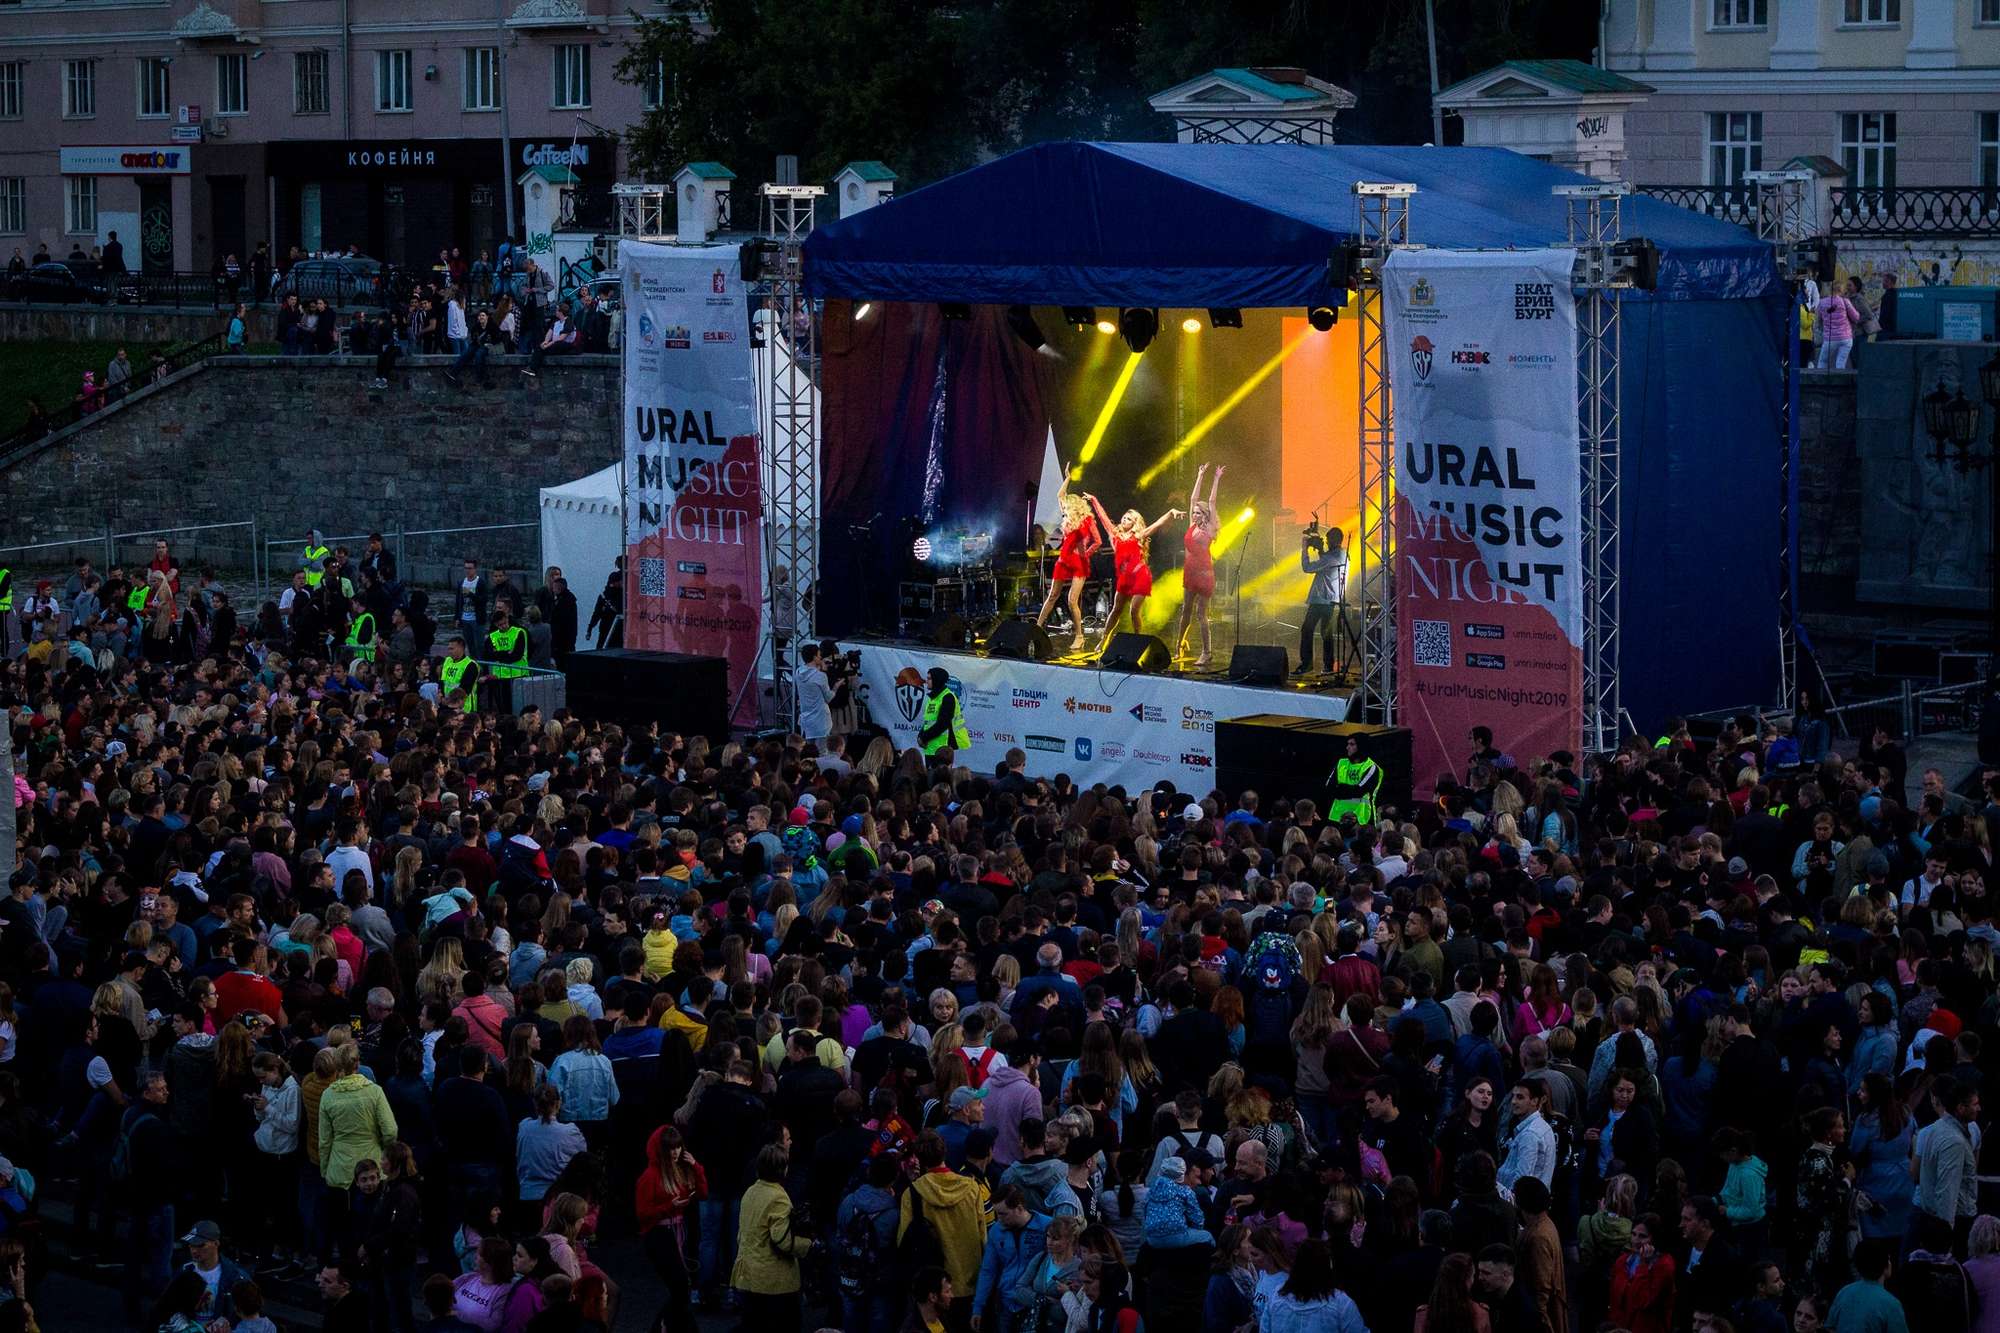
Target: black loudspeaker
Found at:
1277, 755
679, 691
1020, 638
944, 629
1136, 652
1258, 663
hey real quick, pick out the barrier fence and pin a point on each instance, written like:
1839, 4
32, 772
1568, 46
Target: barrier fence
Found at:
425, 557
228, 548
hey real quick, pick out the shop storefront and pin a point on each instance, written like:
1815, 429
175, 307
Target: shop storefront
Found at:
402, 201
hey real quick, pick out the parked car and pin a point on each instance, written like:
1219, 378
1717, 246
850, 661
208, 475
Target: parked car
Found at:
348, 280
57, 283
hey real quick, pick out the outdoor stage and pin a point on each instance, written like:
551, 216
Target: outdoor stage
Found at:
1093, 723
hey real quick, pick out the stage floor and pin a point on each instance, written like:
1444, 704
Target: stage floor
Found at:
1074, 716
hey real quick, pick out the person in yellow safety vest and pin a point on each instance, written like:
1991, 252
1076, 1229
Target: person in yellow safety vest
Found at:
507, 647
6, 610
1357, 783
943, 729
459, 675
361, 633
315, 559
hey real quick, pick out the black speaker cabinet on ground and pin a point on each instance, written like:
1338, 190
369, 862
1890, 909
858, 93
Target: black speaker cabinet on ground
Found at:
1276, 755
1258, 663
681, 692
1019, 638
945, 629
1136, 652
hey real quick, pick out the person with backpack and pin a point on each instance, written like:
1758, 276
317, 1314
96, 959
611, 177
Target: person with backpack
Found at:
943, 1219
864, 1248
1275, 995
981, 1060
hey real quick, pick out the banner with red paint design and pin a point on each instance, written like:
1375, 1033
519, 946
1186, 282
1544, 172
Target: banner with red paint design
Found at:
694, 565
1488, 506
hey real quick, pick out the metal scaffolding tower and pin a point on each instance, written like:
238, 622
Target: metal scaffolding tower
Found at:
791, 451
1381, 224
1596, 230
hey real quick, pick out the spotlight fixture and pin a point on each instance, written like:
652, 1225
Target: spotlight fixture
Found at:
1079, 316
954, 310
1106, 326
1190, 325
861, 311
1022, 321
921, 549
1322, 317
1343, 266
1225, 317
1637, 260
1140, 325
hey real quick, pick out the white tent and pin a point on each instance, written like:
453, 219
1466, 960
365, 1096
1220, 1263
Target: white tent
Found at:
582, 531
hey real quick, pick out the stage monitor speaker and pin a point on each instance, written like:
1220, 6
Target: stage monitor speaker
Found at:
1136, 652
1258, 663
944, 629
1020, 638
680, 692
1279, 755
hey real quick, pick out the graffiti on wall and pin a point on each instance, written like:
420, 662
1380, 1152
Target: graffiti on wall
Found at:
1937, 264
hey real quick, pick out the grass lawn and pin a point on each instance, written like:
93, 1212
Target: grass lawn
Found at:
53, 372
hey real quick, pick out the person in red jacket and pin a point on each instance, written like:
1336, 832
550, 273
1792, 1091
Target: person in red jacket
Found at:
484, 1017
1642, 1282
669, 1188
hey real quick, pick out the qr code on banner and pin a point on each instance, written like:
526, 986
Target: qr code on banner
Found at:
653, 578
1432, 644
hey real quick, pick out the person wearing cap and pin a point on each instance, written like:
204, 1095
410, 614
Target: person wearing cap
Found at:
968, 1112
218, 1274
943, 731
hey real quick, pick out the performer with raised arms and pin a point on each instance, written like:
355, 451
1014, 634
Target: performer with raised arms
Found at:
1130, 536
1198, 575
1079, 542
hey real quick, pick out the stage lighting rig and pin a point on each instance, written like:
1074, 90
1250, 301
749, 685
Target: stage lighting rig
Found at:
1635, 262
1322, 317
1225, 317
955, 309
1190, 325
1139, 325
1079, 316
1022, 321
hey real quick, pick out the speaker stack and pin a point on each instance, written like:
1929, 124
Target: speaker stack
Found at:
1258, 664
1276, 755
1022, 639
679, 691
1145, 653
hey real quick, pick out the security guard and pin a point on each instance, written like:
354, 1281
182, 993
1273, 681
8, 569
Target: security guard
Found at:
507, 647
315, 559
459, 674
1357, 782
943, 728
361, 633
6, 609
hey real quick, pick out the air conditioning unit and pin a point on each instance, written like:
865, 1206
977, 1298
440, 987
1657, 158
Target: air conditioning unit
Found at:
215, 127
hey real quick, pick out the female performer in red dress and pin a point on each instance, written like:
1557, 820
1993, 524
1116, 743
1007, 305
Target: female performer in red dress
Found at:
1198, 574
1079, 542
1130, 536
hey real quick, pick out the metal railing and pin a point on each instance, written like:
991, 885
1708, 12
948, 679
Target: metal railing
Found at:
1911, 712
236, 552
1915, 210
1731, 203
78, 408
421, 559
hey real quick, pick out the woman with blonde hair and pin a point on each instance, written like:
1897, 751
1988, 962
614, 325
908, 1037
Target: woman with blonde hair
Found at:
441, 977
1007, 971
1078, 540
1131, 538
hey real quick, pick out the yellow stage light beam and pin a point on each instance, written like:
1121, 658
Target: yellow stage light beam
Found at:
1233, 530
1223, 409
1110, 408
1165, 602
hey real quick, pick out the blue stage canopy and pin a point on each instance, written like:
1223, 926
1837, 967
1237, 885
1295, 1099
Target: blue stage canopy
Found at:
1245, 225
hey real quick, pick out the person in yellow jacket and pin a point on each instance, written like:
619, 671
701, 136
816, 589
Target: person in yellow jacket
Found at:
355, 1122
458, 675
769, 1246
957, 1208
361, 632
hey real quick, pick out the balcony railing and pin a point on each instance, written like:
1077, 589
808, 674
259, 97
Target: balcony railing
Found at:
1731, 203
68, 414
1916, 210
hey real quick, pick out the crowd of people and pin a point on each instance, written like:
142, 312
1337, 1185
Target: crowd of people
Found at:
312, 968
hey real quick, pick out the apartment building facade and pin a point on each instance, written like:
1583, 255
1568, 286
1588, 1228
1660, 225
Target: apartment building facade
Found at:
198, 128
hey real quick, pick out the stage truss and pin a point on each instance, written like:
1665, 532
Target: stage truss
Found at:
1382, 224
791, 454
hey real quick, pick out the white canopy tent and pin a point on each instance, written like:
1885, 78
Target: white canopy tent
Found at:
582, 531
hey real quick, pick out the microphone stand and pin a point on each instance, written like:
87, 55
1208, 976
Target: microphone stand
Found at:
1236, 577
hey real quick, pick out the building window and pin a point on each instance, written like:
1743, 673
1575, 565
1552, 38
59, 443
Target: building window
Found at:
482, 78
656, 84
155, 89
79, 87
1735, 145
232, 85
10, 90
392, 81
1989, 149
572, 76
81, 194
309, 83
1989, 12
1739, 14
13, 205
1873, 13
1868, 149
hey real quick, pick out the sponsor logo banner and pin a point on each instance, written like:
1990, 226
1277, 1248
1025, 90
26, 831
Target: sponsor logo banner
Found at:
1488, 519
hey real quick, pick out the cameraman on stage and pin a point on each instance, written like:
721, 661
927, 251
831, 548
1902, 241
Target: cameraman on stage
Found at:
1325, 558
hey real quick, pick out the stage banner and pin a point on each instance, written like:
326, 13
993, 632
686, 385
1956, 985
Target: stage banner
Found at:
1096, 726
694, 555
1489, 524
